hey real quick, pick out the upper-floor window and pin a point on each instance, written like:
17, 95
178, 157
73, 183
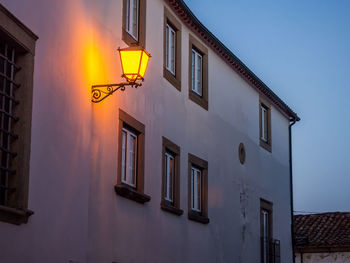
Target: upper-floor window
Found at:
265, 124
196, 82
17, 50
198, 72
131, 151
134, 22
197, 189
172, 49
132, 18
171, 177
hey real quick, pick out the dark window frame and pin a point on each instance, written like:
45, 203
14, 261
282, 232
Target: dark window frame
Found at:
267, 206
267, 145
203, 50
141, 39
201, 164
12, 31
173, 22
122, 189
173, 207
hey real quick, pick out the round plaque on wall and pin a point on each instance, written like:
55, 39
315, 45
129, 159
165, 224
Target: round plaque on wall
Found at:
241, 153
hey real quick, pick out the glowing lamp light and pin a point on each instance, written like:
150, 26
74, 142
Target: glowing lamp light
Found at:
134, 64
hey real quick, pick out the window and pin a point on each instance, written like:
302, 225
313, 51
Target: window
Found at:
170, 45
131, 144
198, 72
265, 229
17, 50
265, 125
129, 157
171, 177
132, 18
197, 189
270, 248
134, 22
172, 49
196, 185
196, 82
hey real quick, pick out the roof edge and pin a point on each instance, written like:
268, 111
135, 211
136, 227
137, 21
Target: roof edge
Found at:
321, 249
18, 22
185, 14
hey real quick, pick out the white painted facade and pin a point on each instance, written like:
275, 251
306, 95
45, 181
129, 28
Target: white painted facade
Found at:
332, 257
73, 169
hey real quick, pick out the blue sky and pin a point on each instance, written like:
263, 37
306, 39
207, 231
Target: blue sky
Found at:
301, 50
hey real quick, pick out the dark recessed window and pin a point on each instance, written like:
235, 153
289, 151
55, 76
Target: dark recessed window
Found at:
171, 177
16, 91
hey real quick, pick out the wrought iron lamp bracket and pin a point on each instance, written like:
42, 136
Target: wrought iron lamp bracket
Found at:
100, 92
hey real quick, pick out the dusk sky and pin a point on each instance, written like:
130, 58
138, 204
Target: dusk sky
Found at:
301, 50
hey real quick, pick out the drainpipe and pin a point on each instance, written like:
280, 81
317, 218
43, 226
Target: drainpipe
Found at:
293, 121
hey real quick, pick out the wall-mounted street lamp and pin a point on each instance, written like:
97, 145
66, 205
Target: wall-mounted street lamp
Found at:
134, 64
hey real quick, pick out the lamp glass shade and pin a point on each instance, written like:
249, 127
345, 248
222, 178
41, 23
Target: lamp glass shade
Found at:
134, 63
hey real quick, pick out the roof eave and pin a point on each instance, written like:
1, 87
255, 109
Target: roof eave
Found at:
187, 17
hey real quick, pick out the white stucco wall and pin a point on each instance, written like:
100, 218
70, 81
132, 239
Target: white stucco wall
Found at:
334, 257
78, 216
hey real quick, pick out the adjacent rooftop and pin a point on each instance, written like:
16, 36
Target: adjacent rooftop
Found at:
326, 232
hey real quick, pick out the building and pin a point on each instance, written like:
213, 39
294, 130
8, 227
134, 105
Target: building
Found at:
194, 166
322, 238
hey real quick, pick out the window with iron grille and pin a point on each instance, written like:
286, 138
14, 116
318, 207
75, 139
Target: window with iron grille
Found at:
17, 50
8, 69
269, 247
270, 250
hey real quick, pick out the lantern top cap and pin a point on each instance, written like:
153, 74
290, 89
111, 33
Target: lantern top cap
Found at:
134, 48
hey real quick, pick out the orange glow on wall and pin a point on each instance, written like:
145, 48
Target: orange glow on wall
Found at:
94, 63
134, 63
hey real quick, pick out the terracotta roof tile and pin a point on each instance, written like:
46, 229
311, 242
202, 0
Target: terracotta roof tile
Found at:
326, 230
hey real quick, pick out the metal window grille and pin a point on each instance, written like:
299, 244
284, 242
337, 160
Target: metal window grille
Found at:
270, 250
8, 70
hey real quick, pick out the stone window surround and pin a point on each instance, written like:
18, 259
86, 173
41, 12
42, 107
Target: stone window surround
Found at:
133, 193
176, 25
174, 208
127, 38
24, 39
266, 145
201, 217
203, 50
